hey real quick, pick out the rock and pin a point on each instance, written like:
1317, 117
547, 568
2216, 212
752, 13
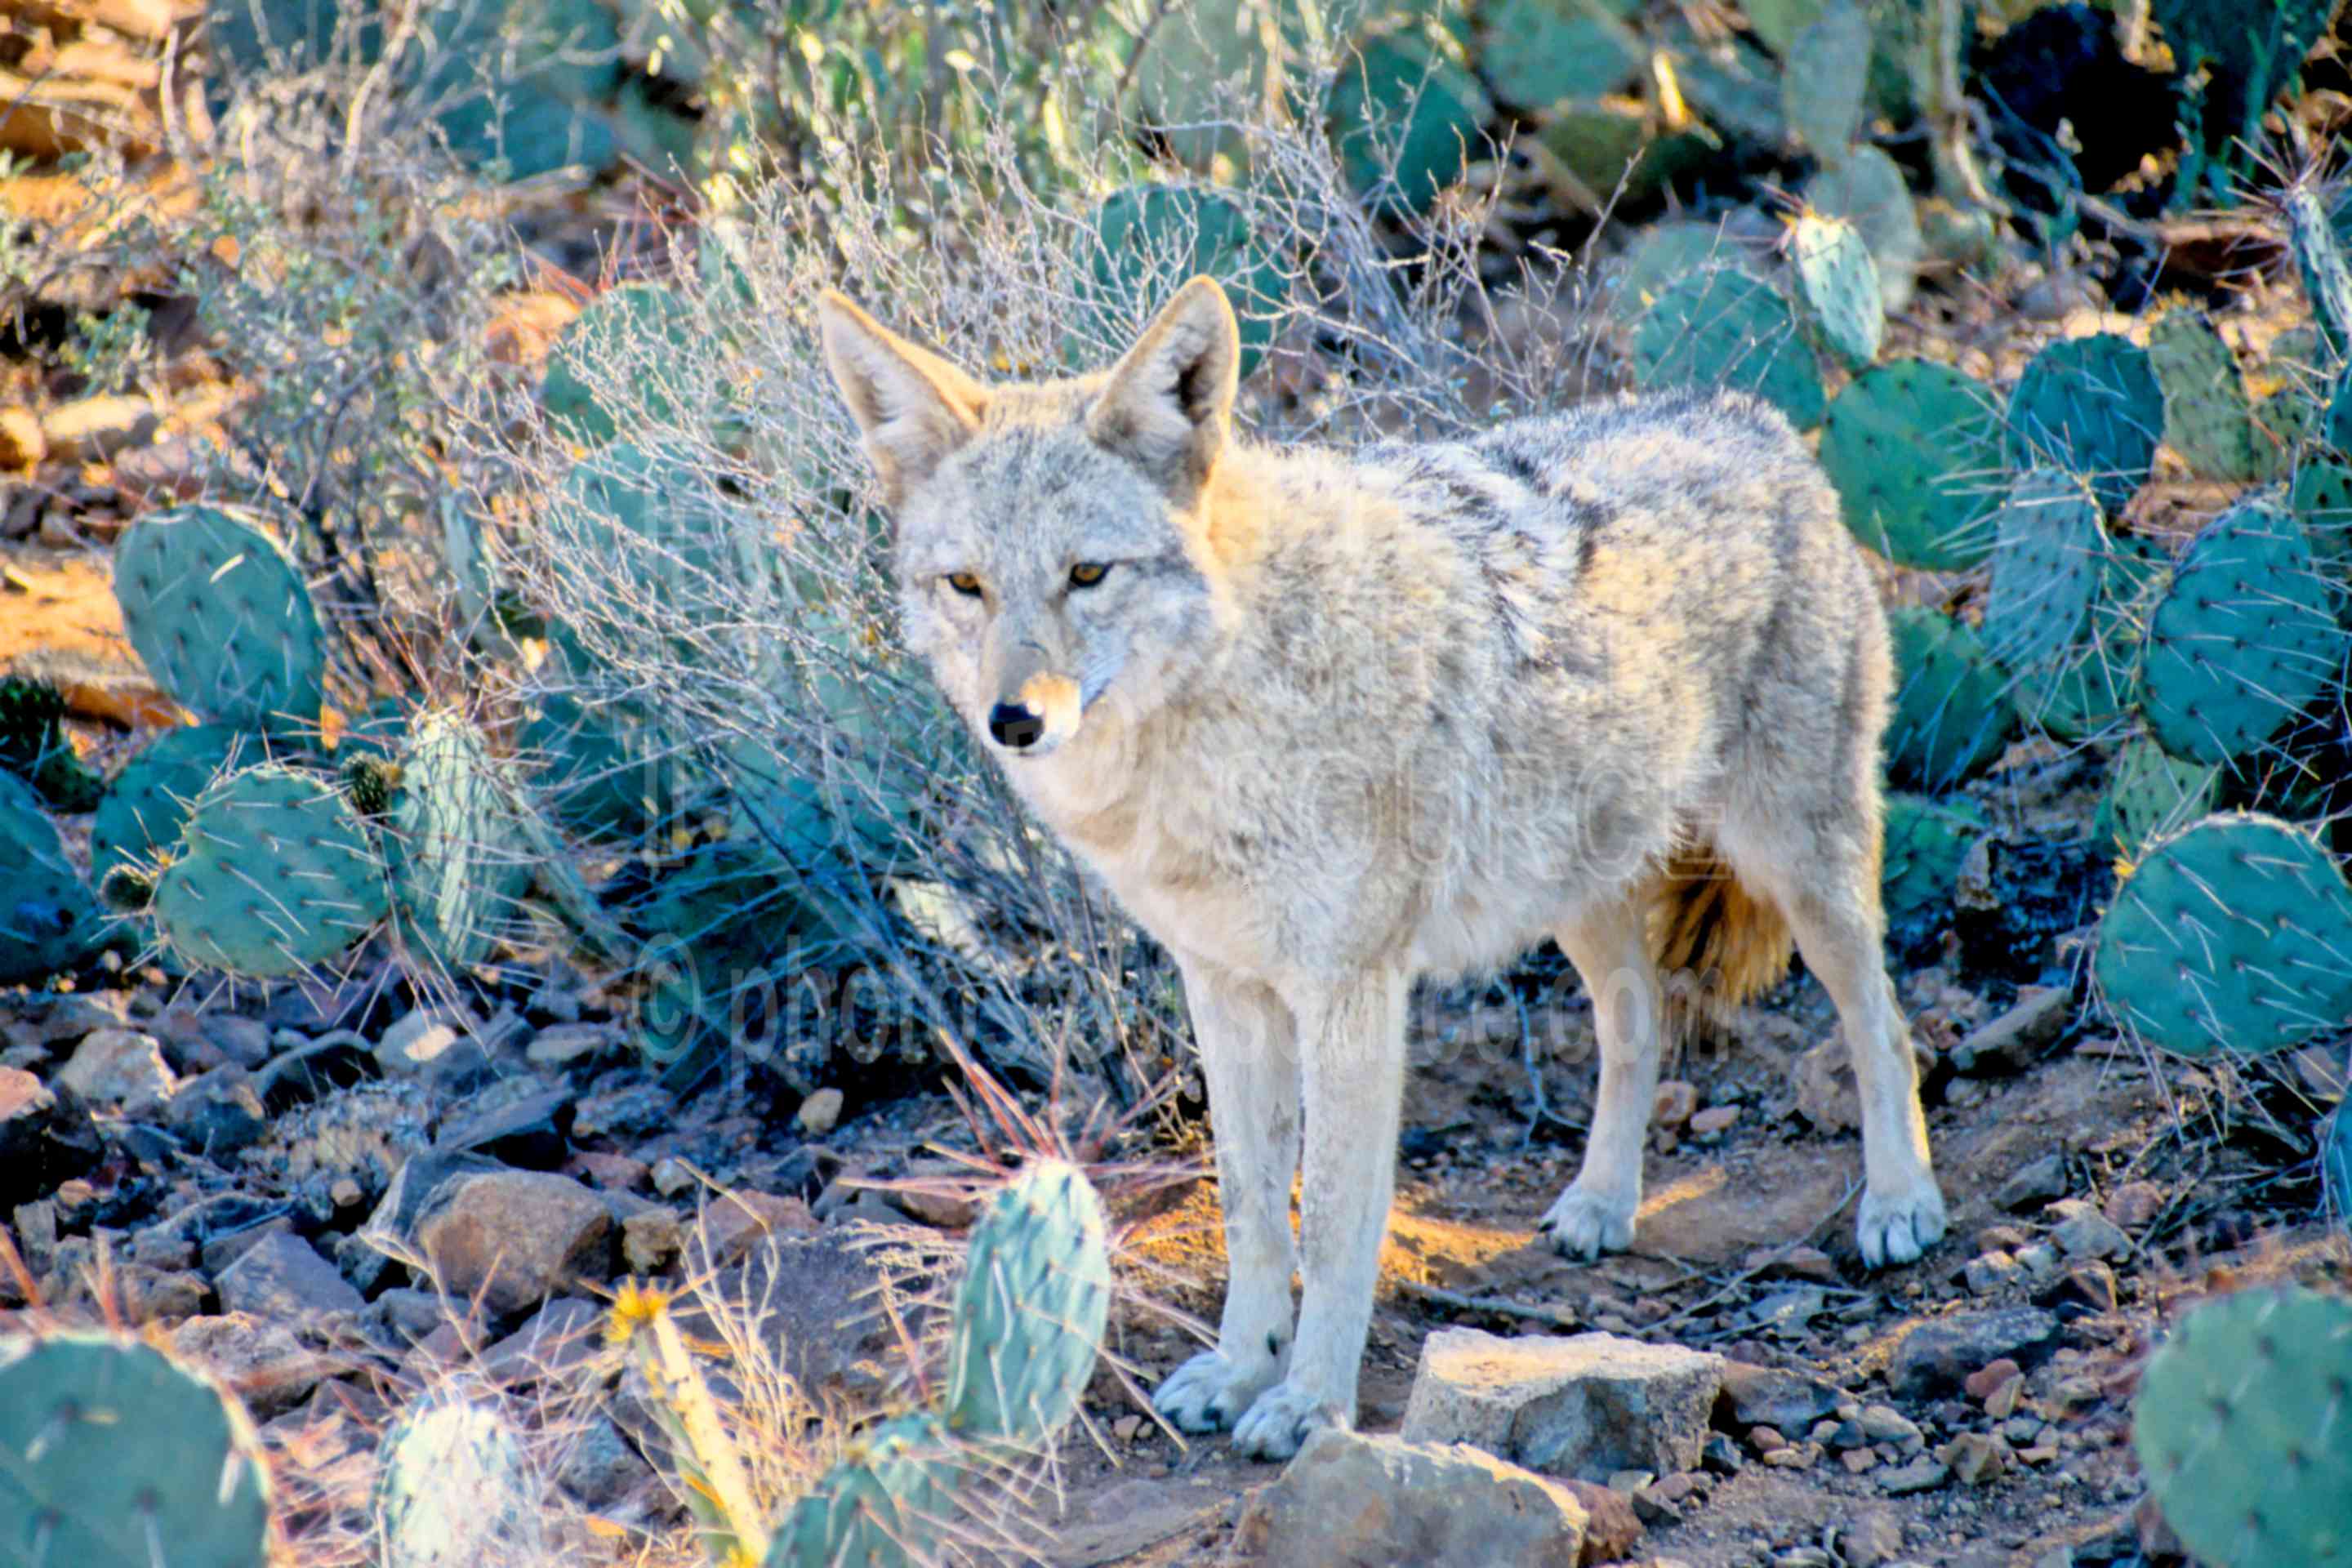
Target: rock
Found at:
1713, 1122
281, 1278
1989, 1272
515, 1237
2082, 1231
1674, 1104
2039, 1263
2017, 1040
157, 1295
2004, 1398
1773, 1396
606, 1173
1349, 1500
632, 1111
599, 1466
2038, 1183
1976, 1458
1583, 1406
2135, 1204
92, 429
43, 1142
559, 1337
1923, 1474
2000, 1239
1979, 1384
22, 445
1884, 1424
561, 1044
1767, 1439
1872, 1539
244, 1041
434, 1052
409, 1314
819, 1112
735, 1221
944, 1210
121, 1069
219, 1113
1722, 1456
1826, 1095
2084, 1288
813, 1295
526, 1127
1937, 1355
651, 1240
1613, 1524
266, 1364
673, 1177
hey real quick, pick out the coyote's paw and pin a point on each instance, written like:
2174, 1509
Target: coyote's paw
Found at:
1209, 1393
1280, 1420
1584, 1224
1898, 1227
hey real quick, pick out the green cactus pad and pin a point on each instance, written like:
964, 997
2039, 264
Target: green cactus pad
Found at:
2048, 547
2097, 687
1840, 283
611, 367
2243, 638
1867, 191
2232, 934
47, 918
1824, 80
2090, 406
886, 1505
220, 616
114, 1455
2326, 271
2206, 419
273, 873
1664, 252
1538, 53
2150, 795
1952, 716
147, 804
2242, 1427
1724, 328
1926, 842
1148, 240
1915, 456
458, 857
1405, 121
2321, 499
33, 745
1030, 1310
2336, 424
454, 1488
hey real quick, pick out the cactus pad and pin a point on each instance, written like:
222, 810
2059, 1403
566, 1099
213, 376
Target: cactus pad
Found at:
1840, 283
2048, 546
1030, 1310
1723, 327
1952, 715
2326, 271
1926, 842
2244, 1424
33, 747
1406, 121
2206, 419
2091, 406
273, 874
454, 1488
1914, 452
47, 920
1149, 239
1867, 191
2336, 424
1823, 79
2233, 934
147, 804
2150, 795
2321, 499
2098, 684
2244, 636
886, 1505
609, 368
114, 1455
459, 858
220, 616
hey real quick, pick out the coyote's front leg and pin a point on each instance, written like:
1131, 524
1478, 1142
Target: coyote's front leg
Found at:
1249, 1054
1351, 1051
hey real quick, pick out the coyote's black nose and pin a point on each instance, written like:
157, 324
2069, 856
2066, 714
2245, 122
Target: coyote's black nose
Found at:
1014, 726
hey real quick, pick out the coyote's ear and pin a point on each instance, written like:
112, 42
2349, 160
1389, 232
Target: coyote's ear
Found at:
1168, 405
914, 407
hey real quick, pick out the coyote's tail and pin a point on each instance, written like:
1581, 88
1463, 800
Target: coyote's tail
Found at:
1716, 944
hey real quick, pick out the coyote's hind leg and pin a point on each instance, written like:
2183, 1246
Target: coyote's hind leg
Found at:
1609, 944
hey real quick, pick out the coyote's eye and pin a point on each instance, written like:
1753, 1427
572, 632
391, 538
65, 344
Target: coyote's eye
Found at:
964, 583
1087, 573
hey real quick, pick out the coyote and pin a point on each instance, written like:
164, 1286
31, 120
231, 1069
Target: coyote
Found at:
1329, 721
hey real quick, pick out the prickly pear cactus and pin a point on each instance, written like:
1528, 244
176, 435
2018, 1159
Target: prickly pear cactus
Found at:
33, 747
611, 367
1030, 1312
1840, 282
2097, 685
1824, 80
2242, 1431
886, 1505
455, 1489
2243, 638
1723, 327
1916, 455
2090, 406
2232, 59
2321, 499
114, 1455
220, 616
1866, 190
2048, 547
147, 804
1926, 843
2150, 795
273, 874
1952, 713
1146, 239
2336, 424
1407, 119
2232, 934
47, 920
2206, 419
2326, 273
458, 856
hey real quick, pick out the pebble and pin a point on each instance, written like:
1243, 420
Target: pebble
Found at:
1674, 1103
1989, 1377
2038, 1183
2135, 1204
1713, 1122
819, 1113
1923, 1474
1976, 1458
2082, 1231
1990, 1273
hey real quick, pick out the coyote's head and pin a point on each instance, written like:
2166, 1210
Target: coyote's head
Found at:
1052, 536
